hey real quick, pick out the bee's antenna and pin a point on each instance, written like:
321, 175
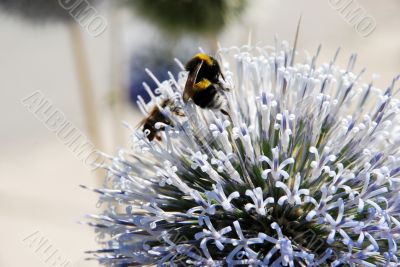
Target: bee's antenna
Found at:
219, 45
295, 42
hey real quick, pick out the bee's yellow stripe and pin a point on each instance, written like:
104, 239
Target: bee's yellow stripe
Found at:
205, 58
202, 85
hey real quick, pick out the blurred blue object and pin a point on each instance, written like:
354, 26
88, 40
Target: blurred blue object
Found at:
158, 61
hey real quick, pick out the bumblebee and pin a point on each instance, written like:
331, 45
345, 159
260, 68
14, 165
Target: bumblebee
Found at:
155, 115
203, 85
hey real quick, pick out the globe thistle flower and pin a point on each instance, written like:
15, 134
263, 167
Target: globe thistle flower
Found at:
305, 172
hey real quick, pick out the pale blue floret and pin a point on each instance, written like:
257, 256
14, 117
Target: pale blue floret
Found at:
259, 203
292, 197
276, 169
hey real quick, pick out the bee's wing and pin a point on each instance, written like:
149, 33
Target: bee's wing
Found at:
189, 86
141, 123
145, 119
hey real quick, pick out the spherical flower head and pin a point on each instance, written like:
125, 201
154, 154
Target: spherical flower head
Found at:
304, 171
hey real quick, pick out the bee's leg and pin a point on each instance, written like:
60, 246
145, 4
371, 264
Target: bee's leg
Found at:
222, 76
225, 113
179, 112
223, 87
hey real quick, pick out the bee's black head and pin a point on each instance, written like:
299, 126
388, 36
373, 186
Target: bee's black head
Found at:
209, 70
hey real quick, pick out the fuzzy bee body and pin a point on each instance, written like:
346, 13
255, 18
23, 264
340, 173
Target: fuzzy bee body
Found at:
212, 91
150, 122
203, 85
155, 116
211, 69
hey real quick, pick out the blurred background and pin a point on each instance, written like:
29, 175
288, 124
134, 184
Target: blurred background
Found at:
88, 58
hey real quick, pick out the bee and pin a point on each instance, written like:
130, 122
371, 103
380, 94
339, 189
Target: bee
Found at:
155, 115
203, 85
